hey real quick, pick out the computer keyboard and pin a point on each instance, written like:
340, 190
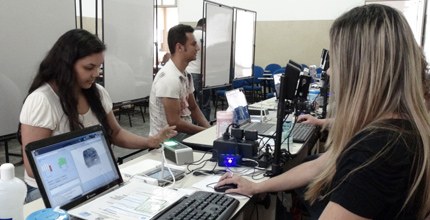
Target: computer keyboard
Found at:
201, 205
302, 132
259, 127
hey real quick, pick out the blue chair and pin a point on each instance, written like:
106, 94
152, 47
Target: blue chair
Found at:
255, 87
218, 97
272, 67
304, 66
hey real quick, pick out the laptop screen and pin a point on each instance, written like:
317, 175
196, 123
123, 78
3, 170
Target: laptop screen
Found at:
236, 100
73, 167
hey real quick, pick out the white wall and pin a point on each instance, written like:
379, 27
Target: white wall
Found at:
274, 10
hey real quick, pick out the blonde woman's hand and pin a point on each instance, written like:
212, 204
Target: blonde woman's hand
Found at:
244, 186
165, 133
309, 119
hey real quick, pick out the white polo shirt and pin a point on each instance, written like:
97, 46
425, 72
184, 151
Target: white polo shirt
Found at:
169, 83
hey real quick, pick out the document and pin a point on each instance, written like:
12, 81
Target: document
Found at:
135, 200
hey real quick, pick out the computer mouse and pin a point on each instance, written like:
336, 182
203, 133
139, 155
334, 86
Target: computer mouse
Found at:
225, 187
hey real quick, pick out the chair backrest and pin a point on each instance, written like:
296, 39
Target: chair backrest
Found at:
258, 72
238, 83
272, 67
304, 66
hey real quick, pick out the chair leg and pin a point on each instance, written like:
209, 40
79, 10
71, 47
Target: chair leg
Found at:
129, 118
141, 112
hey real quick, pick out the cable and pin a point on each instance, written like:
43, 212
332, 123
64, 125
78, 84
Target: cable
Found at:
168, 168
226, 134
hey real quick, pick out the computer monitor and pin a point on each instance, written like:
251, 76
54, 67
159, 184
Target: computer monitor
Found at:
294, 63
325, 59
292, 73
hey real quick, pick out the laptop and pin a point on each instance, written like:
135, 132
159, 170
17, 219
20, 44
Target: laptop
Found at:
237, 101
73, 167
77, 172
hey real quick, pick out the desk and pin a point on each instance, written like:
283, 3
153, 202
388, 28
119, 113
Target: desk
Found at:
205, 139
270, 104
185, 183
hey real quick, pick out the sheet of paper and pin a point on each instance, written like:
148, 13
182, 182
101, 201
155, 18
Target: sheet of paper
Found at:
134, 200
208, 183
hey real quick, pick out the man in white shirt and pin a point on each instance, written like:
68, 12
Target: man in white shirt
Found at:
201, 95
171, 100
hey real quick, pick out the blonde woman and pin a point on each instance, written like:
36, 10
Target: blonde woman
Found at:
377, 162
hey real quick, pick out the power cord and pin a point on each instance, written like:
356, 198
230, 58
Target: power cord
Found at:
163, 160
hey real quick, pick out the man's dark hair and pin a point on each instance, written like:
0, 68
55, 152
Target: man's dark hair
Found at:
201, 22
177, 34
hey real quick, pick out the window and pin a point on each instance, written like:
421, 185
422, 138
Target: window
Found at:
167, 17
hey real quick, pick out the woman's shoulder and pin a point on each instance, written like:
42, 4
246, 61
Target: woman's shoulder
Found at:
398, 136
44, 92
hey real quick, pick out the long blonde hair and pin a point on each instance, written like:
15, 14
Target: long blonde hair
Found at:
376, 72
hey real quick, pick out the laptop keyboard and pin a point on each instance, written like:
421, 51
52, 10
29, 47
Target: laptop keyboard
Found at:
201, 205
302, 132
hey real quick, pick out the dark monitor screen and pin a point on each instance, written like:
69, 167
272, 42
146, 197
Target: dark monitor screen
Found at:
292, 74
325, 59
298, 65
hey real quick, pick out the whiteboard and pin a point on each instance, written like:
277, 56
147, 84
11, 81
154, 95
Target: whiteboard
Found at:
28, 31
217, 44
244, 43
128, 35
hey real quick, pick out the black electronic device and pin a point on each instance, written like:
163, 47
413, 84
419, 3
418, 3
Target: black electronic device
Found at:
294, 63
325, 60
164, 176
244, 148
280, 114
292, 74
303, 87
325, 65
225, 187
231, 148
